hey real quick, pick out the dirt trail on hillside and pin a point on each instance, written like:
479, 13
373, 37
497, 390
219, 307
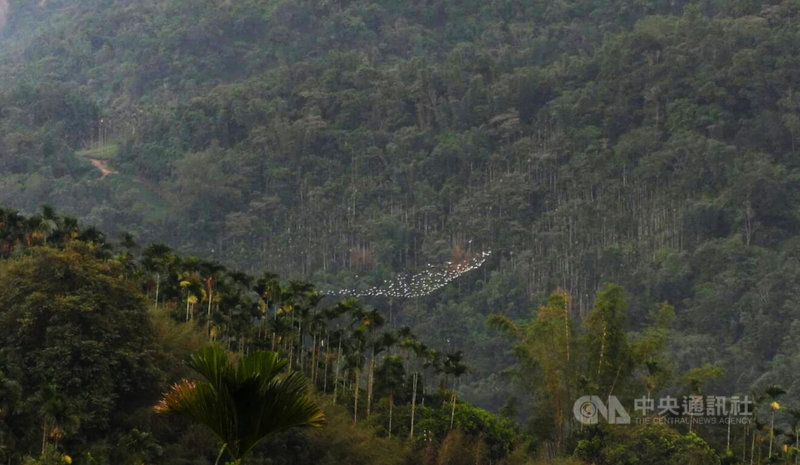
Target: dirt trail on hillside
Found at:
102, 165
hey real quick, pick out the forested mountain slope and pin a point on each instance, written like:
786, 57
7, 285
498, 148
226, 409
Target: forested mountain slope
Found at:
651, 144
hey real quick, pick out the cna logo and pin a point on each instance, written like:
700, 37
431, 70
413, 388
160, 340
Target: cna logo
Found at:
589, 409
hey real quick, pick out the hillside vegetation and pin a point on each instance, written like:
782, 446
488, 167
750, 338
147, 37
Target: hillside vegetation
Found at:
650, 144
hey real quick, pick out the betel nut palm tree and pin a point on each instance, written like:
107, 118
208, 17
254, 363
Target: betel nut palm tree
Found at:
242, 402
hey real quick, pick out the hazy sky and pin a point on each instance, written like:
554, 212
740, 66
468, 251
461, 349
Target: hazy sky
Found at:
3, 13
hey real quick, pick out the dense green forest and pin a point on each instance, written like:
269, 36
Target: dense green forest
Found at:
354, 143
95, 331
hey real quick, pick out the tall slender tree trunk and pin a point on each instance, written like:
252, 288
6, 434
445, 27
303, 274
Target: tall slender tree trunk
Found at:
336, 377
602, 349
158, 285
728, 444
208, 314
744, 442
370, 378
616, 378
327, 343
771, 434
391, 408
44, 435
314, 360
300, 346
413, 405
355, 395
453, 401
566, 328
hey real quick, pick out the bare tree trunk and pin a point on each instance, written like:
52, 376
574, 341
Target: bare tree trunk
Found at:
336, 378
413, 405
355, 395
314, 360
208, 314
728, 445
325, 370
453, 400
158, 285
771, 434
44, 435
566, 328
391, 407
300, 345
744, 442
602, 349
370, 378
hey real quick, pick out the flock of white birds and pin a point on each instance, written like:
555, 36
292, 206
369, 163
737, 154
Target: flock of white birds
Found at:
430, 279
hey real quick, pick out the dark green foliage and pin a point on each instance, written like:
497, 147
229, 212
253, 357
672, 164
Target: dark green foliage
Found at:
498, 434
339, 442
78, 346
608, 350
652, 444
193, 301
245, 402
651, 144
584, 142
345, 142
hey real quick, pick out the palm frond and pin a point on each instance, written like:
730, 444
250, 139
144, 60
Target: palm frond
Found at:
244, 403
